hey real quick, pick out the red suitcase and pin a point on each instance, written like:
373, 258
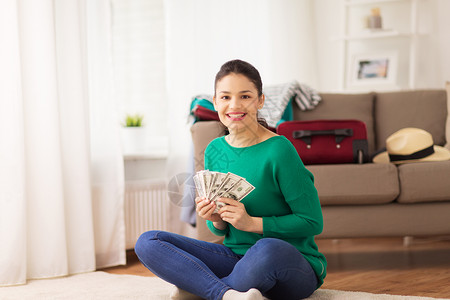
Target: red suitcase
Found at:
328, 141
203, 114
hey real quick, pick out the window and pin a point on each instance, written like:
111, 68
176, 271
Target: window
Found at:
138, 46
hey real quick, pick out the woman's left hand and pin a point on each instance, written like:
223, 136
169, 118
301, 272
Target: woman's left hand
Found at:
234, 213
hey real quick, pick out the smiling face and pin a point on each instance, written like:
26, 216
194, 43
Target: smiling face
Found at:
237, 102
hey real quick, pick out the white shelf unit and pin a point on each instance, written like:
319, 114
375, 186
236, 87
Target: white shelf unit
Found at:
404, 31
374, 35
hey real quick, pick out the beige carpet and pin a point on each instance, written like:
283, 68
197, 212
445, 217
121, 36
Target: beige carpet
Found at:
105, 286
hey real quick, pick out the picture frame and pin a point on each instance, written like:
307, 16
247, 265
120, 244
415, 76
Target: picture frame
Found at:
373, 69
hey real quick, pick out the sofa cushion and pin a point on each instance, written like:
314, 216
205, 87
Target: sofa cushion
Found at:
393, 219
343, 106
424, 182
355, 184
425, 109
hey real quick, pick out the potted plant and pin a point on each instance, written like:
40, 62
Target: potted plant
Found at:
133, 120
133, 135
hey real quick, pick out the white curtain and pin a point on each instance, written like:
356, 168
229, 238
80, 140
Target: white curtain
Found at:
61, 171
107, 167
276, 36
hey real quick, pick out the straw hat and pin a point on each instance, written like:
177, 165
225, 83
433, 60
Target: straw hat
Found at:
411, 145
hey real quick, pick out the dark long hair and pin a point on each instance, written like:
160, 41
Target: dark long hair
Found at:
238, 66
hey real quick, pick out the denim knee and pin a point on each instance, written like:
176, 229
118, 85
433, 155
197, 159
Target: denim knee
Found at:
274, 246
143, 244
274, 250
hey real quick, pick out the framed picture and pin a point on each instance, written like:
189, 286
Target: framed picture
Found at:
378, 69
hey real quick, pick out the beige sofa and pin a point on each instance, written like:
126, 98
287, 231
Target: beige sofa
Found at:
370, 200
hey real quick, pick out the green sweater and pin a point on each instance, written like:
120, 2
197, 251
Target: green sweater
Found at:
284, 196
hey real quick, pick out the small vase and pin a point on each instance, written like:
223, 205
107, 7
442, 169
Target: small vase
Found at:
134, 140
374, 22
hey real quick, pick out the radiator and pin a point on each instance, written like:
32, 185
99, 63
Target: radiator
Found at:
146, 208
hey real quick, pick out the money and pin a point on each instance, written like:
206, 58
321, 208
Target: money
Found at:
239, 190
216, 182
229, 181
215, 185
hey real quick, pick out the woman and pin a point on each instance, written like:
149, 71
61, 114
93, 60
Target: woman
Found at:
269, 246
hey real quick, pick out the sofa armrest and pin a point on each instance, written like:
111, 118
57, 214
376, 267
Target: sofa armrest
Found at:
202, 134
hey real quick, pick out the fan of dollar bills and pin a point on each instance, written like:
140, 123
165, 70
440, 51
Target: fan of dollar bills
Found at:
214, 185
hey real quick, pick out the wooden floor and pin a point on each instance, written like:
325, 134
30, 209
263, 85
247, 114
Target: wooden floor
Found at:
381, 266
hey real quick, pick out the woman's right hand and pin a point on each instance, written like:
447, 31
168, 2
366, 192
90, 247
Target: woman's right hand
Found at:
205, 209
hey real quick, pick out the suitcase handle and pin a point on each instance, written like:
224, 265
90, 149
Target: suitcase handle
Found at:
305, 135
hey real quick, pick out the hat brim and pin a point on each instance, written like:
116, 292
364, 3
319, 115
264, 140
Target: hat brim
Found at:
440, 154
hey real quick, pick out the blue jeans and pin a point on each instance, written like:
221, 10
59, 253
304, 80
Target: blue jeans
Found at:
273, 266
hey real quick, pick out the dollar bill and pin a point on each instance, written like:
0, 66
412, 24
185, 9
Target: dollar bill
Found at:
201, 176
229, 181
227, 184
216, 182
214, 185
207, 181
239, 190
198, 186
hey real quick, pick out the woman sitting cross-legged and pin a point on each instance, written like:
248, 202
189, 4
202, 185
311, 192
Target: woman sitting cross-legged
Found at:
269, 248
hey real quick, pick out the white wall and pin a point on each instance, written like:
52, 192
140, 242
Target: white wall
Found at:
442, 10
433, 59
327, 17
